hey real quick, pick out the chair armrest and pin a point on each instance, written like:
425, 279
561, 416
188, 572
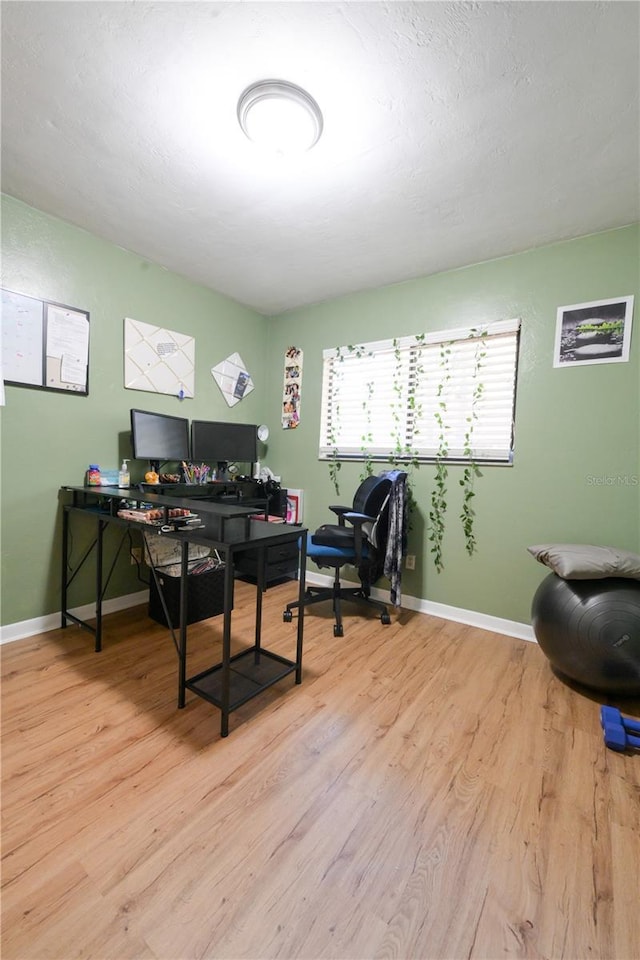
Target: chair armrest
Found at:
357, 519
339, 512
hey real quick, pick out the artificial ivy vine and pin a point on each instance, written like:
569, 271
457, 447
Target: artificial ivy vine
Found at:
404, 454
471, 471
412, 404
439, 492
367, 436
334, 462
396, 405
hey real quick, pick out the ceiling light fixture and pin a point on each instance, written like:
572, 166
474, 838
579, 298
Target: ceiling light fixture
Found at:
280, 116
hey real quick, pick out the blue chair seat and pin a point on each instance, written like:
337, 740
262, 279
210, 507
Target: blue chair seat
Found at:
320, 551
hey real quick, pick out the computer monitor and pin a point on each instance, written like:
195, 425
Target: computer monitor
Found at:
158, 437
220, 442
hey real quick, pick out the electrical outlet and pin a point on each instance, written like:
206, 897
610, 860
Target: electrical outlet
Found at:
410, 561
136, 555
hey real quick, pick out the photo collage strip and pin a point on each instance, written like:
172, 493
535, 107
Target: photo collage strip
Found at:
292, 388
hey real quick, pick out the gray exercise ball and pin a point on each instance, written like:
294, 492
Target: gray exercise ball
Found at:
590, 631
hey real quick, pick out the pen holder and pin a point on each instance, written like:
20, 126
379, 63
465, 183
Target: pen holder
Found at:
195, 474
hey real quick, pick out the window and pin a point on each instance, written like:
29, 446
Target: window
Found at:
450, 393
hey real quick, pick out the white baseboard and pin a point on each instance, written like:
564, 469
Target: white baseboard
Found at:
511, 628
28, 628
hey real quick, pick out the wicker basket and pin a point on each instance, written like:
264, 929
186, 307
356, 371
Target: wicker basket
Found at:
205, 596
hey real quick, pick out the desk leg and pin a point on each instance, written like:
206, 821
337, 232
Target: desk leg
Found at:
301, 592
182, 653
100, 538
65, 561
260, 579
226, 646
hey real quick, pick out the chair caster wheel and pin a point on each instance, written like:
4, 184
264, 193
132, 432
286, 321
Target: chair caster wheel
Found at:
287, 616
385, 618
338, 631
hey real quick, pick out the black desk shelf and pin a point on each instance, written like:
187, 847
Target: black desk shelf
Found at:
250, 672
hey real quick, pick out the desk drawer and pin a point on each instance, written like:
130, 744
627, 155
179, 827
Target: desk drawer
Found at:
280, 561
285, 551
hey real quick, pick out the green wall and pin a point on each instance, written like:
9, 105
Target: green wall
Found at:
48, 439
577, 430
576, 471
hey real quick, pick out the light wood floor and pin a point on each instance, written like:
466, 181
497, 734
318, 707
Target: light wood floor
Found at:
429, 791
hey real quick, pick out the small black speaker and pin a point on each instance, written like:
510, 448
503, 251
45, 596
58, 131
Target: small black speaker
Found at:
278, 504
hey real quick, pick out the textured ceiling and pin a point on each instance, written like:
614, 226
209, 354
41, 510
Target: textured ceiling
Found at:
454, 133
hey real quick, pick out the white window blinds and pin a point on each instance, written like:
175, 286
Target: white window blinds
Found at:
451, 393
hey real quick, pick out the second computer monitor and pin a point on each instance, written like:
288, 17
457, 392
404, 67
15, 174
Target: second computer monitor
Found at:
219, 442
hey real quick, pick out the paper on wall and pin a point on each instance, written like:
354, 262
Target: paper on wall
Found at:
232, 377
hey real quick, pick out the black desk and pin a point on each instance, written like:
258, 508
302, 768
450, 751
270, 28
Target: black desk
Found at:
226, 528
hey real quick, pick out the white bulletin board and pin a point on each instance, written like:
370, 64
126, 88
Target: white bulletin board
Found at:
44, 344
233, 378
158, 360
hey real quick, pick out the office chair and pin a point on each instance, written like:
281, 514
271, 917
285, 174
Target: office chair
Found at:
374, 543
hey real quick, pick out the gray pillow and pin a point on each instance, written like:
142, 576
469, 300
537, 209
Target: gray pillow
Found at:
582, 561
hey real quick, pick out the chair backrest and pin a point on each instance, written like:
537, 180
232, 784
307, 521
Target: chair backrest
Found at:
371, 495
372, 498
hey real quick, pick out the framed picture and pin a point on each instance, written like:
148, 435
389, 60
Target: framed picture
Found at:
595, 332
294, 506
